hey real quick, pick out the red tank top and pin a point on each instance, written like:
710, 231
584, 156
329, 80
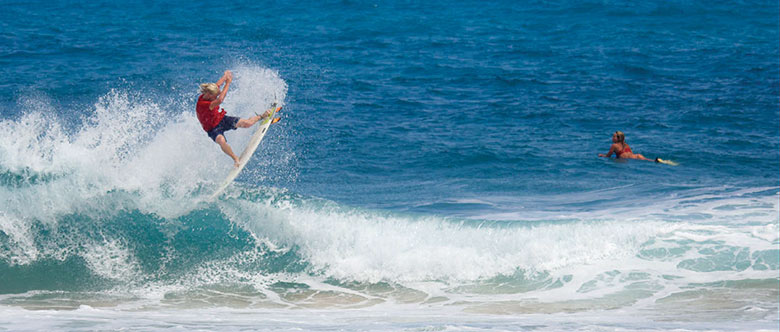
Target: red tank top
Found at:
208, 118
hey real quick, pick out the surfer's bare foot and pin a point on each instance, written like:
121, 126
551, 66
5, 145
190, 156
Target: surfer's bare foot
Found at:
236, 163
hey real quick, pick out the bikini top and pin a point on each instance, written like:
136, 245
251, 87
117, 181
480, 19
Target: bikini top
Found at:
626, 149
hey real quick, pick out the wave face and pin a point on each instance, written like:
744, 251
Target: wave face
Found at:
128, 238
435, 168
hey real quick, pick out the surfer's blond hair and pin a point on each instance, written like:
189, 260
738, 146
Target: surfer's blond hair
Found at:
621, 136
210, 88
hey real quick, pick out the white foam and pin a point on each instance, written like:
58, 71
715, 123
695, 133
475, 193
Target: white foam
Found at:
600, 260
367, 246
111, 259
410, 318
158, 155
21, 248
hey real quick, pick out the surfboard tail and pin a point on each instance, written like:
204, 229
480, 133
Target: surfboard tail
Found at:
666, 162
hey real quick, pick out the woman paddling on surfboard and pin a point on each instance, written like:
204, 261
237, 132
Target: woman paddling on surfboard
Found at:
214, 121
623, 151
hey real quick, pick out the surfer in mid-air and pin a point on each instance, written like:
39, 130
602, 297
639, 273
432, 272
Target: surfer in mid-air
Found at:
214, 120
623, 151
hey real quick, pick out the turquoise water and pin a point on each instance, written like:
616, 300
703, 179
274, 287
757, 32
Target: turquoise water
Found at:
435, 169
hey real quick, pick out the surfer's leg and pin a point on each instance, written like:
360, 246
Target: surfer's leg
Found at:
639, 156
634, 156
246, 123
226, 148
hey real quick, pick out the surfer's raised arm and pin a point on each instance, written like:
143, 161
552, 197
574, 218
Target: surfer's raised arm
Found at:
228, 77
224, 77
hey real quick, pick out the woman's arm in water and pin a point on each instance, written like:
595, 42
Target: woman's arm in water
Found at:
610, 152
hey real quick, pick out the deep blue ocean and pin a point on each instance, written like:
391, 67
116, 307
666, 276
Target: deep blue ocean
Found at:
436, 167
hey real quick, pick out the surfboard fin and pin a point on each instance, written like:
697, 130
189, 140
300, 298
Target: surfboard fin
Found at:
273, 107
275, 120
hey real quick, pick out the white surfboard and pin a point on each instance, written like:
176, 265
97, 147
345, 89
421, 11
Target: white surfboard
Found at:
262, 129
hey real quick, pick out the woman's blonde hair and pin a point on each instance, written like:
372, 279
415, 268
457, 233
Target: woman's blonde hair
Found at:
621, 137
210, 88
